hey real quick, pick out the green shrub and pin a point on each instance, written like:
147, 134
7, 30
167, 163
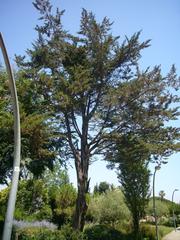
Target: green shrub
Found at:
70, 234
102, 232
38, 234
36, 202
162, 208
108, 208
32, 201
148, 231
63, 202
3, 202
66, 233
163, 230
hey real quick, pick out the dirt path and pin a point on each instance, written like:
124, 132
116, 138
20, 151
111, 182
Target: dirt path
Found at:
173, 236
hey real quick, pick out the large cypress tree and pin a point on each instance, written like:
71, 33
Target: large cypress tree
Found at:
84, 80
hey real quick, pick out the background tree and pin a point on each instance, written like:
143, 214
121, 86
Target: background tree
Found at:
162, 208
56, 177
147, 102
162, 195
102, 187
39, 136
132, 158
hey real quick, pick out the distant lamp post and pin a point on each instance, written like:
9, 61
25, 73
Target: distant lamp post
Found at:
154, 203
174, 220
17, 147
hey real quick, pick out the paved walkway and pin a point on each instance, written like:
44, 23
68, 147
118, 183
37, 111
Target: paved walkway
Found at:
173, 236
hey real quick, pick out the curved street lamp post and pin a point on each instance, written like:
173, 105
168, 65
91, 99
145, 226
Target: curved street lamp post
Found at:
174, 220
154, 203
17, 147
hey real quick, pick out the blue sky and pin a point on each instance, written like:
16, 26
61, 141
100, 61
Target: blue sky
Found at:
158, 20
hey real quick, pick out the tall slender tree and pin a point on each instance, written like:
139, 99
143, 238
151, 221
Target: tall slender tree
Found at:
131, 159
162, 195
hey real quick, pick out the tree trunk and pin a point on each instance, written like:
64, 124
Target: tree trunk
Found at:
136, 226
81, 206
82, 182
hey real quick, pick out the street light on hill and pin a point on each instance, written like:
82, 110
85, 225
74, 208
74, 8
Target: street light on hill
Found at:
174, 220
154, 203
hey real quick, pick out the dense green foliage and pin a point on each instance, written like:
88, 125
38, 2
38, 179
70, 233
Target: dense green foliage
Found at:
108, 216
164, 211
102, 232
109, 208
96, 232
38, 135
56, 177
102, 187
37, 202
66, 233
148, 231
63, 203
162, 208
131, 159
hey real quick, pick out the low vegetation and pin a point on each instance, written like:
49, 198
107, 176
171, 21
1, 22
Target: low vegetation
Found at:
45, 211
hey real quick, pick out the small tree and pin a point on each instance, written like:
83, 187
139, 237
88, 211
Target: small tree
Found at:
102, 187
162, 195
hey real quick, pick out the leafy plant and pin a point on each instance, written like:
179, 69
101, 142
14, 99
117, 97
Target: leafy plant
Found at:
109, 208
34, 233
102, 232
63, 202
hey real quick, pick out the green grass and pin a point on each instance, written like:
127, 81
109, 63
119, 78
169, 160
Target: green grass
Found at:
163, 230
149, 231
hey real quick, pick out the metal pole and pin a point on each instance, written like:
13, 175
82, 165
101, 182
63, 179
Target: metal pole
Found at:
174, 220
154, 205
17, 147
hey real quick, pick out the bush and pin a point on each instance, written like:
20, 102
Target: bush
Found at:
108, 208
63, 202
162, 208
102, 232
34, 233
148, 231
38, 234
70, 234
32, 201
3, 202
36, 201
